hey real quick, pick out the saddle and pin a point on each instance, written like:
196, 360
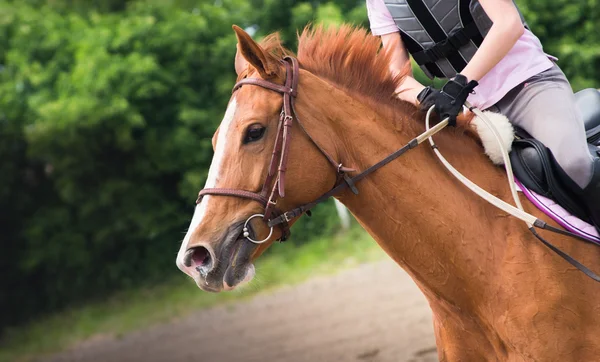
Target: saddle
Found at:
535, 167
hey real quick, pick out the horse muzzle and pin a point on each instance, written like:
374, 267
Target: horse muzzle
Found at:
223, 267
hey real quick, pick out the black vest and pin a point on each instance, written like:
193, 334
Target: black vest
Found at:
441, 35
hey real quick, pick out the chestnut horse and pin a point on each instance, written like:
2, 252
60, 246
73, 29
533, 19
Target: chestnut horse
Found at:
496, 293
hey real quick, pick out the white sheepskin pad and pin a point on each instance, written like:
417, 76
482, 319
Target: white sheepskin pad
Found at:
490, 144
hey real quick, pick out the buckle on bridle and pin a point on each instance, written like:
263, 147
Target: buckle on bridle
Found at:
286, 217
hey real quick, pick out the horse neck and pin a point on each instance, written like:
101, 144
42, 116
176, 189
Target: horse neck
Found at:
428, 223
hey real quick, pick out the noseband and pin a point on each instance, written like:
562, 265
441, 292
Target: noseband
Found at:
274, 186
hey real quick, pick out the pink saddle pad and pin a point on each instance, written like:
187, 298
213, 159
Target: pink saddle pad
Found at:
560, 215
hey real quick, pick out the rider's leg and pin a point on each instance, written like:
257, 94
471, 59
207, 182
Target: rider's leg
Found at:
544, 106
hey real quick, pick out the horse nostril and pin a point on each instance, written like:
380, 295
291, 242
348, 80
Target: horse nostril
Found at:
199, 258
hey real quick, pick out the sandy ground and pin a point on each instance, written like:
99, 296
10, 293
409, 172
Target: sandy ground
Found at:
372, 313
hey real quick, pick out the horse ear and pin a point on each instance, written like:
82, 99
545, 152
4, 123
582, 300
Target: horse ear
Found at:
240, 62
248, 51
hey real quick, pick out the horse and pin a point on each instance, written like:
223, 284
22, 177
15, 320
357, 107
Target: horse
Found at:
495, 292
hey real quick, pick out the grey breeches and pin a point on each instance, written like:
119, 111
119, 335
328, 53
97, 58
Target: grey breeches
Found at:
544, 106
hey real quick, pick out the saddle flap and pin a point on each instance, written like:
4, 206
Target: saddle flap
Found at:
535, 167
527, 167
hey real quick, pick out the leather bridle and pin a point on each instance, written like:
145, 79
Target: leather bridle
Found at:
274, 186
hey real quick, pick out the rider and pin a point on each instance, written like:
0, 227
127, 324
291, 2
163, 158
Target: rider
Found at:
485, 45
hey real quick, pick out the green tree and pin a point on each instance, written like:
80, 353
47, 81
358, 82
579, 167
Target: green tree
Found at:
109, 119
106, 119
569, 30
106, 116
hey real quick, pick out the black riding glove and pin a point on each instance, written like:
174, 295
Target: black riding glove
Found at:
450, 100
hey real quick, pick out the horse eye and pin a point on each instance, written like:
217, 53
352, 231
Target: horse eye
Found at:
254, 133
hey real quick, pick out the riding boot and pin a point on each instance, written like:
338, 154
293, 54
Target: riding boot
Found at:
591, 195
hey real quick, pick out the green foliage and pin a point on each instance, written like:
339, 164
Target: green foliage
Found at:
106, 116
175, 298
569, 31
329, 14
113, 115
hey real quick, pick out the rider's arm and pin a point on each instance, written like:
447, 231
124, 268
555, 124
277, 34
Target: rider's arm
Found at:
502, 36
409, 88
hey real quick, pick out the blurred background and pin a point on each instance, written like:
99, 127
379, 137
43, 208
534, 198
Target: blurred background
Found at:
107, 109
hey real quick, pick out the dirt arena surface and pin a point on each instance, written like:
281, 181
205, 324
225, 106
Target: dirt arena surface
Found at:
373, 313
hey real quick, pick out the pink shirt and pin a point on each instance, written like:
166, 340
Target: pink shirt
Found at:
524, 60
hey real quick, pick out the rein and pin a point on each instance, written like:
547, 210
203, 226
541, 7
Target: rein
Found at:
274, 185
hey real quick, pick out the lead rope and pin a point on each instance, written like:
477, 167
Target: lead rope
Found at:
531, 221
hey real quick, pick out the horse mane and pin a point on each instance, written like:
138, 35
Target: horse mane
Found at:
351, 59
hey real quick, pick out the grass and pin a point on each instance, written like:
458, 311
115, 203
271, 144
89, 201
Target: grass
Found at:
142, 308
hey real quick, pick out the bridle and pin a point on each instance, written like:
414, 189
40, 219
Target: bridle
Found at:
274, 186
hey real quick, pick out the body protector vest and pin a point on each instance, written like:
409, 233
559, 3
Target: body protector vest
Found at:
442, 36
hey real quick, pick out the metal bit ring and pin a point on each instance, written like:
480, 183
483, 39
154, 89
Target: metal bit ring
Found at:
247, 232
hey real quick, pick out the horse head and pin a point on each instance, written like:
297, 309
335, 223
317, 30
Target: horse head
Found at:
248, 151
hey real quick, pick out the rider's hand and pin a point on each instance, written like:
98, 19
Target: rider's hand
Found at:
448, 101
